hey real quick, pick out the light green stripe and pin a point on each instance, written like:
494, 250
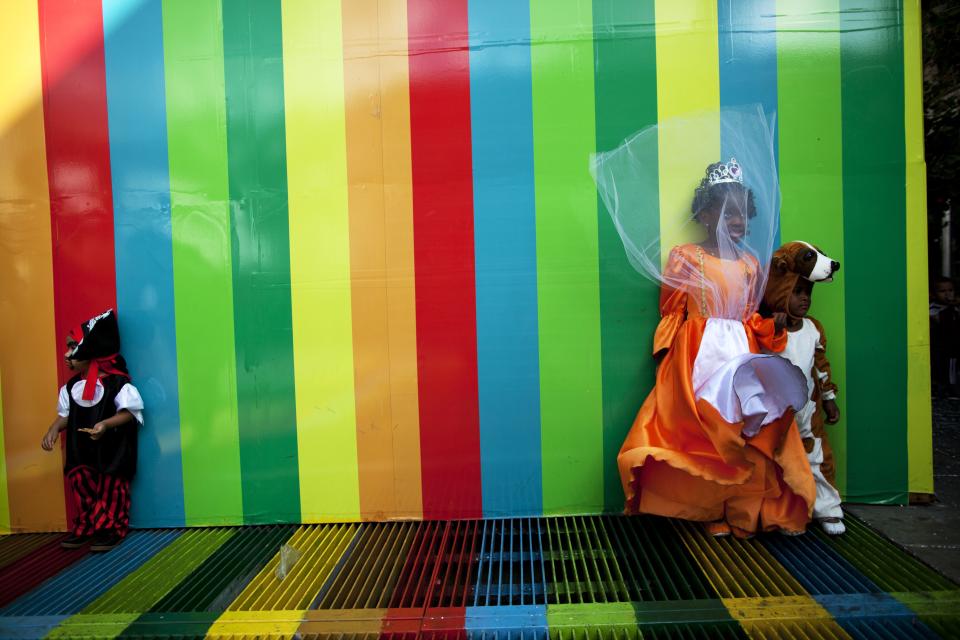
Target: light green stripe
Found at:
811, 166
617, 619
144, 588
567, 256
202, 271
919, 410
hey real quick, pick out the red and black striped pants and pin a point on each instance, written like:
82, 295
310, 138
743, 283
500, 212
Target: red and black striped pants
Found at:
102, 501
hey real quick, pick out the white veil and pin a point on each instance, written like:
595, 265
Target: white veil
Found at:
732, 218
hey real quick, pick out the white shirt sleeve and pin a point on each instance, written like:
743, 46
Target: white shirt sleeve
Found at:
63, 403
129, 398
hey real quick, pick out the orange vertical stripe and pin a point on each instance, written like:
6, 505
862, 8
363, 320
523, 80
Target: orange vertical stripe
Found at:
381, 257
28, 347
398, 202
371, 340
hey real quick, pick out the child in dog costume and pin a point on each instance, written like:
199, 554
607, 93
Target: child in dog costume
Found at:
100, 411
793, 270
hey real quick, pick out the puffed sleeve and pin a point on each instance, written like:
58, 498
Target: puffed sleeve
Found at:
63, 403
673, 302
129, 398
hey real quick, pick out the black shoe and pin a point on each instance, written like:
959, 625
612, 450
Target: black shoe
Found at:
74, 542
105, 540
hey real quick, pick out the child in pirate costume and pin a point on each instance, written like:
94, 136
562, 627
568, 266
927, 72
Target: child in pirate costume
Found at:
794, 269
99, 410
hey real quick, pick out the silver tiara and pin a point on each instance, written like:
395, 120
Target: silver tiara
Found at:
729, 172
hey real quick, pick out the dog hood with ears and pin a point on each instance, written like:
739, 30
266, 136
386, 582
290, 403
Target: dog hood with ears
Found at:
780, 284
791, 262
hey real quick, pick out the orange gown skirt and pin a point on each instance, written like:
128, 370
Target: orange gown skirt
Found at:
683, 459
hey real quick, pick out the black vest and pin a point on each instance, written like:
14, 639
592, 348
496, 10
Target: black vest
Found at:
115, 452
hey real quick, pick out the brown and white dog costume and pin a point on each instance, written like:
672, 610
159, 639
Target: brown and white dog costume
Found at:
806, 348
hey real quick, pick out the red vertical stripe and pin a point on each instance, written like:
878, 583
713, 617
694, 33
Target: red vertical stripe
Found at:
443, 253
78, 165
78, 161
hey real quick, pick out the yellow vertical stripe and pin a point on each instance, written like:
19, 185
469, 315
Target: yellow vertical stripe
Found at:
28, 345
688, 83
919, 418
320, 259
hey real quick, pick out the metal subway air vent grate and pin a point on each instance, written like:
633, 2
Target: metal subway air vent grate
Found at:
371, 569
654, 561
580, 563
510, 570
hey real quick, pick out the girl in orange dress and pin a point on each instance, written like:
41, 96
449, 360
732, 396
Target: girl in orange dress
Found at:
715, 441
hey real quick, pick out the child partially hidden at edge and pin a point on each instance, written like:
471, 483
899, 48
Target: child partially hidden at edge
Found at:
100, 410
794, 269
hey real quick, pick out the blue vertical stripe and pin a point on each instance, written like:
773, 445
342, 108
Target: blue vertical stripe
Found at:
747, 42
505, 246
133, 49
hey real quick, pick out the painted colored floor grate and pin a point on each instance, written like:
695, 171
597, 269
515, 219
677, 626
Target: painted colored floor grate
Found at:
565, 578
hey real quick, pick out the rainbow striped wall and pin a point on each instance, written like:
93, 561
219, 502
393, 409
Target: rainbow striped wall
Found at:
362, 271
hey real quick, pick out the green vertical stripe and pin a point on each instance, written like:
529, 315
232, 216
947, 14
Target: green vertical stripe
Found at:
874, 221
625, 78
202, 271
567, 256
811, 167
253, 53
